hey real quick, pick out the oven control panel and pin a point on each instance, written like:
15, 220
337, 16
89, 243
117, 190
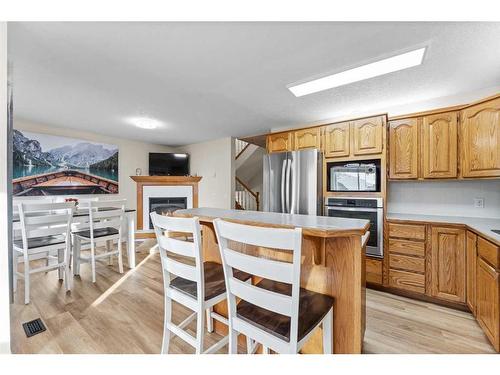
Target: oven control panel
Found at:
353, 202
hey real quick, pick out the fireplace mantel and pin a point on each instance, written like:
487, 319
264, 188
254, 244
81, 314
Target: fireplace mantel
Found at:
166, 180
145, 181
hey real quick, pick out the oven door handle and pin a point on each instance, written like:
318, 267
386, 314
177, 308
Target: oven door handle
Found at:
363, 209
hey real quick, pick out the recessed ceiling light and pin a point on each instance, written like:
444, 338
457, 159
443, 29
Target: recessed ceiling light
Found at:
144, 122
378, 68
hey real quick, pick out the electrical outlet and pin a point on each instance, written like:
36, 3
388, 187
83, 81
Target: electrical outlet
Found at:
479, 202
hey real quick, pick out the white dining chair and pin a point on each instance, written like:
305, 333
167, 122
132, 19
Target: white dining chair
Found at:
104, 224
276, 312
189, 281
45, 229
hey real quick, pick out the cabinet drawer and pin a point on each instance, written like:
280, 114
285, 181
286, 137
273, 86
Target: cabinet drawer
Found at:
403, 262
489, 252
411, 231
373, 271
414, 282
407, 247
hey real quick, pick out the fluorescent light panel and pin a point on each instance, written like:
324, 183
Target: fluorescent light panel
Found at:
378, 68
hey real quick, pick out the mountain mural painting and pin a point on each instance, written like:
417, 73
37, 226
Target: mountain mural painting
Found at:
50, 165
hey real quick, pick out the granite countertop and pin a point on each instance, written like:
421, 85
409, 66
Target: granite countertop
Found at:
482, 226
320, 226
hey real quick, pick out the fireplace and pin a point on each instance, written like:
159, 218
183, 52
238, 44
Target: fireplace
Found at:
166, 205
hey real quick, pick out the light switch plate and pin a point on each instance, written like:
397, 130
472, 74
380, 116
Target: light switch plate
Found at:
479, 202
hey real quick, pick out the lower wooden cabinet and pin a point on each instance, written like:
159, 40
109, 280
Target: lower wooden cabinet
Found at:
448, 264
374, 271
471, 259
487, 301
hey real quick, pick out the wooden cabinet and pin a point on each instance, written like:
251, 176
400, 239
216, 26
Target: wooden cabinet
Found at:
374, 271
403, 149
406, 257
279, 142
480, 132
448, 264
337, 140
307, 138
368, 136
487, 301
471, 258
439, 145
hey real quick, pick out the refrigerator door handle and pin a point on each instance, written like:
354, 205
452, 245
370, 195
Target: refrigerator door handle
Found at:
294, 171
283, 170
287, 186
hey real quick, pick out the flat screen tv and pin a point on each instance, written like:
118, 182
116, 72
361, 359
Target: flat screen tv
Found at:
168, 164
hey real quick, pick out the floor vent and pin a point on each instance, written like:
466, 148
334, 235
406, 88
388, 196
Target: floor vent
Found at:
34, 327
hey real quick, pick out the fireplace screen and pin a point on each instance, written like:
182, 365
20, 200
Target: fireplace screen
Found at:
165, 206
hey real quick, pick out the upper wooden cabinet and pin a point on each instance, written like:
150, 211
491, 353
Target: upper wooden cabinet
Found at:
448, 264
337, 140
403, 149
439, 145
480, 131
307, 138
368, 136
279, 142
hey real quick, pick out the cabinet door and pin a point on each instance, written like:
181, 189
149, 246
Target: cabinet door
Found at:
403, 149
471, 271
487, 302
448, 264
481, 140
337, 140
368, 136
307, 138
279, 142
439, 145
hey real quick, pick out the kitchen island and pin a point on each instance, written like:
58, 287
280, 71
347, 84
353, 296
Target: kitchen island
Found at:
333, 262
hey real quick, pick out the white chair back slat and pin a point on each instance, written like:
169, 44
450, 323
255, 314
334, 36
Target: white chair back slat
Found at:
49, 231
181, 269
272, 238
272, 301
174, 224
99, 215
106, 203
275, 238
113, 223
51, 219
46, 207
178, 247
265, 268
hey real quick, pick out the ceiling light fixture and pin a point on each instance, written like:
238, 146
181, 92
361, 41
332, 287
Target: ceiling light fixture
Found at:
378, 68
144, 122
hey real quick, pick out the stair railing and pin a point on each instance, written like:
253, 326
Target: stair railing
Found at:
245, 198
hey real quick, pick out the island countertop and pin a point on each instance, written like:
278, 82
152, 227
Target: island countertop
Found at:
317, 226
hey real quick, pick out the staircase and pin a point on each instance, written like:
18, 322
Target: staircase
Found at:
245, 198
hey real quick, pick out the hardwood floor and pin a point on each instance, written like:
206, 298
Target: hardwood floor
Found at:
124, 314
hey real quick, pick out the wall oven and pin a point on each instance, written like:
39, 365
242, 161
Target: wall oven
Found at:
362, 208
354, 176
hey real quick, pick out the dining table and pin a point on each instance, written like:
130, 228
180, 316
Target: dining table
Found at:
81, 213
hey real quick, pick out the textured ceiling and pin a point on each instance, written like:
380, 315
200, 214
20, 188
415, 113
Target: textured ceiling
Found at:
210, 80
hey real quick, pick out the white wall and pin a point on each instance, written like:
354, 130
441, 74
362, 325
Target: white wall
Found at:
131, 155
4, 199
449, 198
214, 161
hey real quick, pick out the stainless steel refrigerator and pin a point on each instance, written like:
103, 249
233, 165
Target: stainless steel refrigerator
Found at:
292, 182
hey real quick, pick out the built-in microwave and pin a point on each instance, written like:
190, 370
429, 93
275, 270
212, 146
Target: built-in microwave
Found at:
354, 176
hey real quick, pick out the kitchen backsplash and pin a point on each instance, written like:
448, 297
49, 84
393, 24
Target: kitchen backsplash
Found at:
446, 198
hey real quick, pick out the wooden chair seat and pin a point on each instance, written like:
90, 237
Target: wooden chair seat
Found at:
214, 281
35, 242
101, 232
313, 307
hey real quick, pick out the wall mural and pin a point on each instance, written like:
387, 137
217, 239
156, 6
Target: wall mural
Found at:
50, 165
